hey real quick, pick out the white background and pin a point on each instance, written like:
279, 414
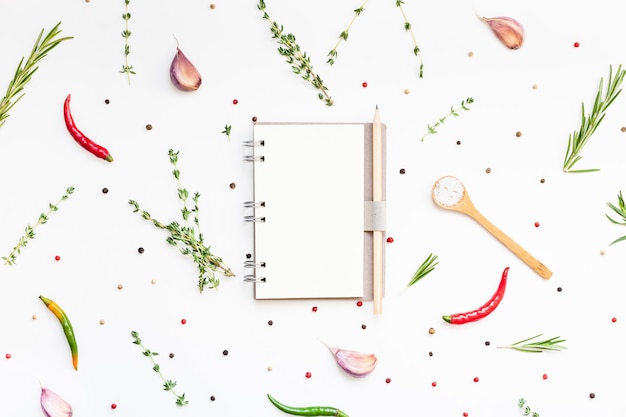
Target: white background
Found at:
97, 235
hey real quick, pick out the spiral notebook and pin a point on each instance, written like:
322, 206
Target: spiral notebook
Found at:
311, 212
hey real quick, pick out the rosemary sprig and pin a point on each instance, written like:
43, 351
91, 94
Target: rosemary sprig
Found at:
526, 409
25, 70
168, 384
30, 230
299, 61
126, 68
188, 238
620, 209
408, 28
453, 112
226, 131
343, 36
424, 269
537, 346
590, 122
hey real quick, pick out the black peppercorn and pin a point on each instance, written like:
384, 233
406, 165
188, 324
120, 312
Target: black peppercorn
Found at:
248, 255
171, 355
140, 250
232, 185
105, 190
254, 119
148, 127
542, 180
458, 142
559, 289
225, 352
363, 326
402, 171
270, 322
106, 101
487, 343
212, 397
592, 395
430, 354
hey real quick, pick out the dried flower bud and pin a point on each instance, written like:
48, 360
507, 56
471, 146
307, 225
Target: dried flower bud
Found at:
508, 30
183, 73
53, 405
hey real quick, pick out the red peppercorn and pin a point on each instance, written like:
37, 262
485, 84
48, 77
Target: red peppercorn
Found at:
308, 375
359, 303
57, 258
364, 84
8, 356
545, 376
476, 379
113, 406
389, 239
465, 414
536, 224
434, 383
576, 44
614, 319
388, 380
235, 101
314, 309
183, 321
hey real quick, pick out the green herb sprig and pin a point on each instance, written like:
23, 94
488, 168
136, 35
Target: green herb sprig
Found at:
187, 237
620, 210
299, 61
526, 345
168, 384
424, 269
126, 68
226, 131
30, 230
453, 112
408, 28
25, 70
590, 122
526, 409
343, 36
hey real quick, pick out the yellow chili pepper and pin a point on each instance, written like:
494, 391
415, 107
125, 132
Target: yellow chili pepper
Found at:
67, 327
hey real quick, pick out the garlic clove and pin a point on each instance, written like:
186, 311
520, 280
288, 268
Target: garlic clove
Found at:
53, 405
356, 364
183, 73
508, 30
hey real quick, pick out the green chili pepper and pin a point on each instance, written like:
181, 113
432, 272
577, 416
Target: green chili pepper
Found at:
67, 327
307, 411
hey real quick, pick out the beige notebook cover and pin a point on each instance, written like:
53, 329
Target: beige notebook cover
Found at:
311, 185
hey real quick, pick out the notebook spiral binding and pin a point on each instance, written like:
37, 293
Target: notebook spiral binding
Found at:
250, 264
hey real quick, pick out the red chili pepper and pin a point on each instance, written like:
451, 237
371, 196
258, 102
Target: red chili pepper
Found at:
485, 309
84, 141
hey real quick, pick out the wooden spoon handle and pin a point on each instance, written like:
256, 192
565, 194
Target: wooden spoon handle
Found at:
530, 260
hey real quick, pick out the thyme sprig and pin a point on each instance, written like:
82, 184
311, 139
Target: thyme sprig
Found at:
554, 343
30, 230
424, 269
620, 210
453, 112
226, 131
590, 122
526, 409
408, 28
126, 67
187, 237
343, 36
25, 70
299, 61
168, 384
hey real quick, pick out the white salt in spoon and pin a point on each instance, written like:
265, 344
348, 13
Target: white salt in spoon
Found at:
449, 193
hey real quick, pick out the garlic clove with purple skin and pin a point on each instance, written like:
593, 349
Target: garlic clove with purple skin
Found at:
183, 73
356, 364
53, 405
508, 30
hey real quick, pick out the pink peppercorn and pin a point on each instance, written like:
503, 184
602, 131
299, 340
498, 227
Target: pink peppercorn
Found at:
545, 376
434, 383
476, 379
183, 321
364, 84
57, 258
576, 44
614, 319
113, 406
359, 303
308, 375
235, 101
314, 309
8, 356
389, 239
536, 224
388, 380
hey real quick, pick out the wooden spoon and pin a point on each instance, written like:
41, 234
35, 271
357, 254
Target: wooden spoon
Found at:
449, 193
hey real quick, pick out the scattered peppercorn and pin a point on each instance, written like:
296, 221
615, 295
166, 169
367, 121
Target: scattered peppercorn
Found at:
140, 250
576, 44
614, 319
470, 54
212, 6
545, 376
559, 289
212, 397
536, 224
363, 326
8, 356
232, 185
171, 355
488, 170
314, 309
476, 379
308, 375
269, 369
106, 101
102, 322
623, 129
225, 352
487, 343
389, 239
458, 142
407, 91
543, 180
431, 331
120, 286
105, 190
113, 406
248, 255
183, 321
434, 383
57, 258
387, 380
430, 354
359, 303
465, 414
602, 252
235, 101
34, 317
402, 171
270, 323
592, 395
535, 86
518, 134
148, 127
364, 84
153, 281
